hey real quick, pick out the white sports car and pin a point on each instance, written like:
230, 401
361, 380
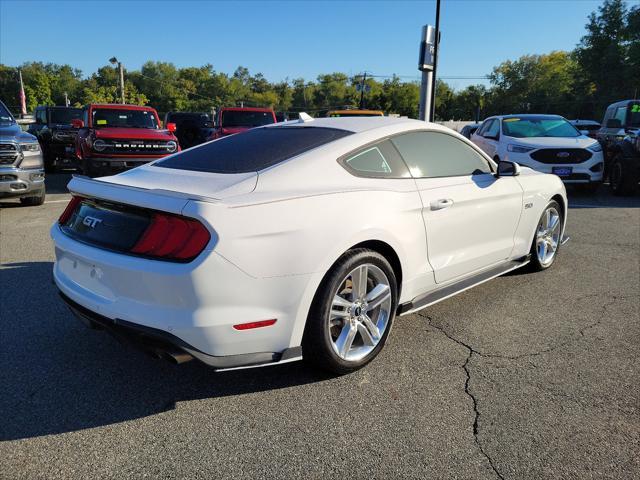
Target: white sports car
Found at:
300, 239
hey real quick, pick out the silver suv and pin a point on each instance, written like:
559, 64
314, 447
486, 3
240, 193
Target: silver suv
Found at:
21, 163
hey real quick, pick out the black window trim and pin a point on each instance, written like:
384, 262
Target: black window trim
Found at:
342, 159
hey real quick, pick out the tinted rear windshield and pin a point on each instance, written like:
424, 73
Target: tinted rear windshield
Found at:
64, 115
239, 118
252, 151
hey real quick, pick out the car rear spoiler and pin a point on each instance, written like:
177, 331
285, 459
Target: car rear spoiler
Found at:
157, 199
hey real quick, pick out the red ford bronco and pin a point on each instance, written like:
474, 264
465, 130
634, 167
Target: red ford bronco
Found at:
113, 137
238, 119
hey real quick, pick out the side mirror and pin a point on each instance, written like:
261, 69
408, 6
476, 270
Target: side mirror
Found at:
171, 127
77, 123
614, 123
492, 137
507, 169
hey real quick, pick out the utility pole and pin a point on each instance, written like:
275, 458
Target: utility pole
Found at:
362, 87
114, 61
425, 64
435, 63
66, 99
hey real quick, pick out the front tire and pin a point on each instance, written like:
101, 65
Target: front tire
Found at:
33, 201
547, 239
352, 313
622, 179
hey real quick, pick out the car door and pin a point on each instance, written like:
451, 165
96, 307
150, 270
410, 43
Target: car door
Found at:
477, 137
470, 215
491, 138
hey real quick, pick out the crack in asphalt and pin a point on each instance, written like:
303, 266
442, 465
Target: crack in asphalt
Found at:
467, 390
472, 351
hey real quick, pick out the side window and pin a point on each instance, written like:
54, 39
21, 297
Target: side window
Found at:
621, 114
380, 160
607, 115
433, 154
41, 116
483, 127
493, 129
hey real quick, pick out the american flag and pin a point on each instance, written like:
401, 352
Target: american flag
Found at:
23, 98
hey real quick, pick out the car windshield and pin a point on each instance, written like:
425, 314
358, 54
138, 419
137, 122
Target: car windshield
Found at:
118, 117
64, 115
529, 127
5, 116
237, 118
634, 115
199, 119
252, 151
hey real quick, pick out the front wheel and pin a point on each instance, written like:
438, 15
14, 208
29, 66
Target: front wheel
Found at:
34, 201
352, 313
622, 180
547, 239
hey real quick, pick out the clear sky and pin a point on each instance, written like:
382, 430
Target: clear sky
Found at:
289, 39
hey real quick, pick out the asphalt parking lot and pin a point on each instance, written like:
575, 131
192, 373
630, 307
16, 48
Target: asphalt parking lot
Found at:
527, 376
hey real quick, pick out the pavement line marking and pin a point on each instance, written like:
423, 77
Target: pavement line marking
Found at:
57, 201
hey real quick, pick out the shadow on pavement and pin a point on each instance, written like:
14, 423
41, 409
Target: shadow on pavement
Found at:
58, 376
602, 199
57, 182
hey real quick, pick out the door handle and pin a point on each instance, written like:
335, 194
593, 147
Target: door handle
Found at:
441, 203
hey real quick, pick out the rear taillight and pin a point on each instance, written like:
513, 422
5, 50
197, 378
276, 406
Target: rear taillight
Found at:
71, 207
173, 238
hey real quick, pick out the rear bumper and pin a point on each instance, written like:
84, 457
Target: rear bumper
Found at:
15, 182
164, 345
197, 303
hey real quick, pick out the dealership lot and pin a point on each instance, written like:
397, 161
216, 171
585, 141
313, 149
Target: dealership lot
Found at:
526, 376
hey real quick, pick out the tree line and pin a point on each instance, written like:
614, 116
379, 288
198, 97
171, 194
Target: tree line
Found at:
604, 67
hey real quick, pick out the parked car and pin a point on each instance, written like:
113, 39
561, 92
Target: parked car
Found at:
469, 130
298, 240
355, 113
587, 127
114, 137
546, 143
192, 128
21, 162
619, 137
240, 119
56, 135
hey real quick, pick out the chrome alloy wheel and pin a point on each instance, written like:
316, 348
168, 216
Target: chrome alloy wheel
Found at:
360, 312
548, 236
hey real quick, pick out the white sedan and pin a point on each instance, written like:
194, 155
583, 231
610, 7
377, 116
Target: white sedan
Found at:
298, 240
546, 143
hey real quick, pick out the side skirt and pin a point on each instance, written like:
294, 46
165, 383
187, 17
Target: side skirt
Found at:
450, 290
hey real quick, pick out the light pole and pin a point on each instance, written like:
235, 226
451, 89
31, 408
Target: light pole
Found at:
114, 61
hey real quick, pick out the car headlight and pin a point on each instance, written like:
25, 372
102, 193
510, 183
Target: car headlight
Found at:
172, 146
518, 148
595, 147
99, 145
30, 147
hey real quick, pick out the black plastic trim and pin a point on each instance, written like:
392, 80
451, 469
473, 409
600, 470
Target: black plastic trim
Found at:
448, 290
159, 342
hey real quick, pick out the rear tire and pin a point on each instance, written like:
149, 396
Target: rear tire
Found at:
350, 317
622, 178
547, 238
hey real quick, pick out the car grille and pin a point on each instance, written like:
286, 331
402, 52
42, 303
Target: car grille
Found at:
65, 136
135, 147
561, 155
9, 153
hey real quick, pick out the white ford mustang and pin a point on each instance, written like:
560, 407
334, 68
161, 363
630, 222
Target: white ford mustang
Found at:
302, 239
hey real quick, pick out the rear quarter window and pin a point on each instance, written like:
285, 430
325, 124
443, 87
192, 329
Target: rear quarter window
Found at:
253, 150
